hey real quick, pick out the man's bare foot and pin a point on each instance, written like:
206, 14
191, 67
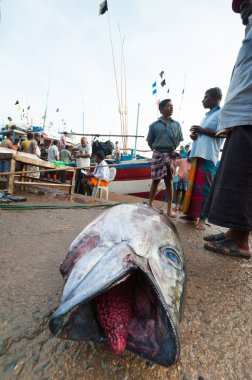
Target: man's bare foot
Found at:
159, 210
171, 214
200, 225
187, 217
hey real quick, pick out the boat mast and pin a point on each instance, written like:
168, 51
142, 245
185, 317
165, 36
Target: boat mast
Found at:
182, 98
138, 108
83, 117
47, 96
123, 110
114, 66
122, 106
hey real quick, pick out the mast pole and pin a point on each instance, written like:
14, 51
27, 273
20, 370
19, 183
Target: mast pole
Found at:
47, 96
115, 74
27, 112
182, 98
83, 118
124, 110
138, 108
157, 105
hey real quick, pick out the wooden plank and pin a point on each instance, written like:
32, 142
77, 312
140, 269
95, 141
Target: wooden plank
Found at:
39, 171
6, 153
72, 183
42, 184
10, 180
33, 161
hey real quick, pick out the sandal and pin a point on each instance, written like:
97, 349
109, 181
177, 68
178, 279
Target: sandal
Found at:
216, 237
227, 247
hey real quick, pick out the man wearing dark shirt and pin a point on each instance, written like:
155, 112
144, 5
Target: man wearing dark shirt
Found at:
163, 138
230, 202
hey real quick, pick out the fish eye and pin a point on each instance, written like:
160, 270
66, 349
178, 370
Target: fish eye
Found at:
169, 256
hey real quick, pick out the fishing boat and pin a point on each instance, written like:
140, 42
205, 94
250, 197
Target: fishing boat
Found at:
133, 177
133, 171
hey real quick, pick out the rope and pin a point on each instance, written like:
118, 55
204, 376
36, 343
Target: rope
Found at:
54, 207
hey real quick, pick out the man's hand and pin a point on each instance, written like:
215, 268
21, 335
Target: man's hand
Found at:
246, 11
194, 136
196, 129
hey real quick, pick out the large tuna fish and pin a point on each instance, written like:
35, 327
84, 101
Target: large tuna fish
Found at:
124, 284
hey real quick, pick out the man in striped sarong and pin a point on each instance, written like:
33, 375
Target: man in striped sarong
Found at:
204, 156
163, 138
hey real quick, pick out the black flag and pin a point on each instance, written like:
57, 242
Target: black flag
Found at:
161, 74
103, 8
163, 83
28, 107
17, 102
57, 110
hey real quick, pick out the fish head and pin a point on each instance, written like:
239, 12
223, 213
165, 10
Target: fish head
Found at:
124, 284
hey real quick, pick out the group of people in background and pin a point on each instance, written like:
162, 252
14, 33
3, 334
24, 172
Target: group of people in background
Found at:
58, 150
33, 144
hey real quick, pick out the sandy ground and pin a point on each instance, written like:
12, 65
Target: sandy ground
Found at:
216, 332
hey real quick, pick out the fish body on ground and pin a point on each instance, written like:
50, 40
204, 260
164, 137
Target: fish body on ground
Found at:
125, 281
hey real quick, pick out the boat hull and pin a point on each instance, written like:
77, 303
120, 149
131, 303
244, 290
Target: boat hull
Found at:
134, 178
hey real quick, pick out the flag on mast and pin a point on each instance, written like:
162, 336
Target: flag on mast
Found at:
103, 7
17, 104
154, 88
163, 83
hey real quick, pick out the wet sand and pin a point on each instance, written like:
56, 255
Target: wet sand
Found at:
216, 332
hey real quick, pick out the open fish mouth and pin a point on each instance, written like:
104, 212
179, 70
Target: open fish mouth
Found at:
130, 314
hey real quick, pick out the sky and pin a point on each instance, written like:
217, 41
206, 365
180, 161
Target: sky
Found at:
64, 46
